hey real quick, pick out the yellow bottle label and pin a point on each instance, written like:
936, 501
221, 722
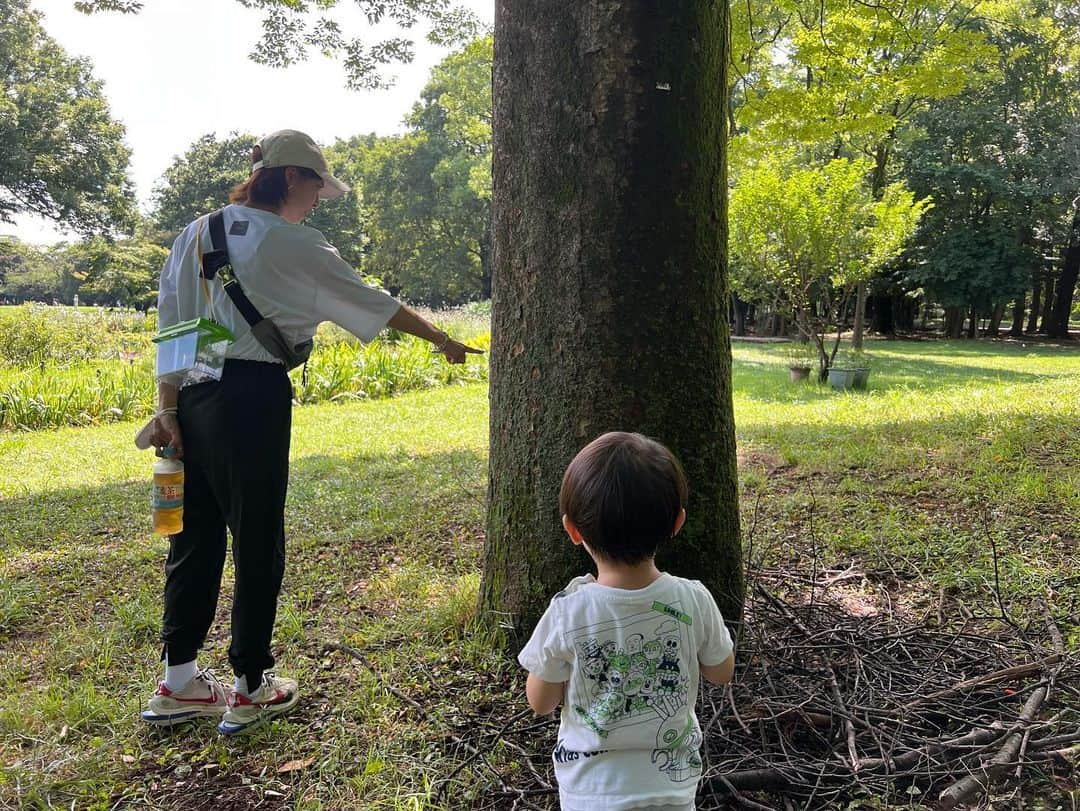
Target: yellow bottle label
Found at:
168, 496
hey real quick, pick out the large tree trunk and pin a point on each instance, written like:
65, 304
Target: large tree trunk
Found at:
1066, 286
954, 322
610, 298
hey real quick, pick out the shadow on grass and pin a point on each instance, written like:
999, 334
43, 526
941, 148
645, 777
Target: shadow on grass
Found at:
344, 515
103, 517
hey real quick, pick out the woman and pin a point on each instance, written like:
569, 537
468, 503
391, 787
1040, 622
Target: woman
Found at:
233, 433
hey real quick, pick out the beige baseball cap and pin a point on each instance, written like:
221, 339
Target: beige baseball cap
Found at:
295, 148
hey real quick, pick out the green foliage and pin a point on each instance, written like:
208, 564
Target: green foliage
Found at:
844, 73
812, 234
32, 335
427, 194
199, 181
24, 271
77, 367
62, 156
349, 370
98, 270
1003, 182
977, 98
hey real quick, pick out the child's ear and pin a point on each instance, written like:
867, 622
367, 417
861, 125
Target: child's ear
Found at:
571, 529
680, 519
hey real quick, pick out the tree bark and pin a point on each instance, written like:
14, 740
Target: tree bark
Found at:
485, 261
1048, 300
1017, 330
1066, 287
1036, 301
954, 322
973, 323
993, 328
610, 297
860, 316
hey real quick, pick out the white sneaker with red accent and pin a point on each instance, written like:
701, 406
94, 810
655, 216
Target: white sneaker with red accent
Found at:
274, 696
203, 695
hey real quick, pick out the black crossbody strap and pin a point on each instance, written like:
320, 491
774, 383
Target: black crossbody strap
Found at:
217, 261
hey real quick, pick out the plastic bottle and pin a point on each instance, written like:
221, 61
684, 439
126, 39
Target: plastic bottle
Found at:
168, 496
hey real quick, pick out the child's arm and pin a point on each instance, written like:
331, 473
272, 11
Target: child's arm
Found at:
716, 655
543, 696
721, 673
548, 661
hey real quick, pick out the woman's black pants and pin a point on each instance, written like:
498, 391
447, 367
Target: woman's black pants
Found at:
236, 471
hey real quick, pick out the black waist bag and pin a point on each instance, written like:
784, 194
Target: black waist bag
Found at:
265, 331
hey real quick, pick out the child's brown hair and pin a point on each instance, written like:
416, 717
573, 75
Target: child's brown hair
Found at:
624, 492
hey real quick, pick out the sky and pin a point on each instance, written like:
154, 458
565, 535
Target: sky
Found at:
179, 69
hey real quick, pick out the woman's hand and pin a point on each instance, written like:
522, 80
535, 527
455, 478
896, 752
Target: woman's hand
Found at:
160, 431
456, 351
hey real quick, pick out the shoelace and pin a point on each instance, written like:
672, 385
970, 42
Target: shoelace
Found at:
208, 676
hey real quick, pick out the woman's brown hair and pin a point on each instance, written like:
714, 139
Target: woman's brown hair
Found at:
266, 187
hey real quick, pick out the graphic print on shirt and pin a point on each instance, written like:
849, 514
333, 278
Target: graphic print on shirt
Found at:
634, 671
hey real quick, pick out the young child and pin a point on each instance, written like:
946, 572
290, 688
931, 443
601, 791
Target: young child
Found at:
622, 651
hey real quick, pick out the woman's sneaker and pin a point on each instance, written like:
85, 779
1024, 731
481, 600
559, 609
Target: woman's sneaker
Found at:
274, 696
203, 695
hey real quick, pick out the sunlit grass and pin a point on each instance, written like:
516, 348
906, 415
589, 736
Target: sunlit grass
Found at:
954, 445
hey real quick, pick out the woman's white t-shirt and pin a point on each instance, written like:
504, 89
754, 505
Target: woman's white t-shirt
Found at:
629, 736
290, 273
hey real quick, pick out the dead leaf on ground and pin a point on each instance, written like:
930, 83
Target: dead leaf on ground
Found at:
295, 765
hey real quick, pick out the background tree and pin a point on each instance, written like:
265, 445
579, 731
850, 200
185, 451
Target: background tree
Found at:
1002, 161
427, 194
123, 273
814, 234
62, 156
199, 181
610, 294
24, 272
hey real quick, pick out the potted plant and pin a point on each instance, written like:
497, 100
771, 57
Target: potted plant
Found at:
801, 357
850, 370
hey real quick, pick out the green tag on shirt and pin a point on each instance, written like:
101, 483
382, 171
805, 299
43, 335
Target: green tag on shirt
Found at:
673, 612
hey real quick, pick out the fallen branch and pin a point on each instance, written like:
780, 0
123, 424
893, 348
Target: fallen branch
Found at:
963, 789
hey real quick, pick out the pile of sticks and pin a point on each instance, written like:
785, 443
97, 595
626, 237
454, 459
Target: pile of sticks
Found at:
829, 708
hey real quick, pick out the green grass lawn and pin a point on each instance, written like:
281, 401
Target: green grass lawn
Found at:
952, 442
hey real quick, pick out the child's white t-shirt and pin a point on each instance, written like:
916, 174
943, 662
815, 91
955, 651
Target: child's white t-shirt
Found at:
629, 736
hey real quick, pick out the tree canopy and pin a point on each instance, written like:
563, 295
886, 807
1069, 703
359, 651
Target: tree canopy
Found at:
62, 155
292, 29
